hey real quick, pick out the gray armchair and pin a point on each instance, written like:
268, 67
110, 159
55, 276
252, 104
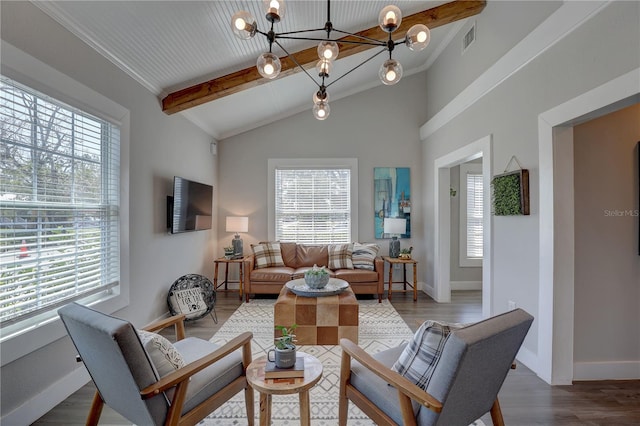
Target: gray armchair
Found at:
127, 380
463, 387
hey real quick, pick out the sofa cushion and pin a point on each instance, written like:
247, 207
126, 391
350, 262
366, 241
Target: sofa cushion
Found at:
267, 255
364, 255
309, 255
288, 251
278, 274
340, 256
421, 356
356, 275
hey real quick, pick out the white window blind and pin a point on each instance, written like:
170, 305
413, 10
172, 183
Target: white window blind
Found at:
59, 203
474, 215
313, 205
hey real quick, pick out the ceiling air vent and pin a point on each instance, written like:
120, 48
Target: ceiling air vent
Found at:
469, 38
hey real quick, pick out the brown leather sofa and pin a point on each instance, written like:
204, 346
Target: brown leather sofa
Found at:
299, 258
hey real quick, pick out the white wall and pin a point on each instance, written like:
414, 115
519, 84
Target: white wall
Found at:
379, 127
160, 147
584, 59
607, 264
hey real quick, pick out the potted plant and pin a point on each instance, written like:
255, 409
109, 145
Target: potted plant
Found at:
284, 354
405, 253
316, 278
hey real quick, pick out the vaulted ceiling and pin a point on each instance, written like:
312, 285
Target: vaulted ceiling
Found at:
186, 54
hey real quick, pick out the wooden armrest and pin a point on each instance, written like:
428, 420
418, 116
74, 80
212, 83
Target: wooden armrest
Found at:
393, 378
176, 320
184, 373
249, 263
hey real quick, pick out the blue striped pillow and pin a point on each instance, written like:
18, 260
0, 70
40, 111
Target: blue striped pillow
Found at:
364, 255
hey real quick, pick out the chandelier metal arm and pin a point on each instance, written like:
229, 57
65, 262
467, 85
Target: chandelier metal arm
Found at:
357, 36
355, 68
376, 43
303, 31
298, 64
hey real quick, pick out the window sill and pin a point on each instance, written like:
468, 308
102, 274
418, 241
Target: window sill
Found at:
30, 335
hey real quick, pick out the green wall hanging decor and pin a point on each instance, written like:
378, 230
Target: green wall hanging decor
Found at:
511, 192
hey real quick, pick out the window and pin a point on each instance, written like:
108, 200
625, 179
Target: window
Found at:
471, 205
59, 203
312, 200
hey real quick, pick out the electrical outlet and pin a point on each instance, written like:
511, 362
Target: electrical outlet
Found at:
512, 305
397, 266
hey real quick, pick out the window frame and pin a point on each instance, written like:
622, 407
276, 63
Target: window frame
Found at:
311, 163
26, 336
464, 259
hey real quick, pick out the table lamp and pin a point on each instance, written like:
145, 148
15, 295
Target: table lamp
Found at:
395, 227
237, 224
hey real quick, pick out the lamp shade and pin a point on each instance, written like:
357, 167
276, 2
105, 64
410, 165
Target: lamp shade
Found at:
395, 226
237, 224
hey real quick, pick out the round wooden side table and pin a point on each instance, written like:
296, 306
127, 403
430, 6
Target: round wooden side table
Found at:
268, 387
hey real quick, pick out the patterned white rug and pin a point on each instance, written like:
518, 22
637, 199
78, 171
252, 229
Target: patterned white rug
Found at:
381, 327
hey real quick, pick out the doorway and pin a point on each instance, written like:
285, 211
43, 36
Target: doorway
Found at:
480, 149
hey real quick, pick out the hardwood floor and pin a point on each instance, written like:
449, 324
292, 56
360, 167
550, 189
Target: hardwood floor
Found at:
525, 399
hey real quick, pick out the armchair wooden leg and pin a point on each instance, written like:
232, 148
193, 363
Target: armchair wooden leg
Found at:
496, 414
96, 410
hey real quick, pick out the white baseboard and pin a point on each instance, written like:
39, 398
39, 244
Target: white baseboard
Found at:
46, 400
618, 370
528, 358
429, 289
466, 285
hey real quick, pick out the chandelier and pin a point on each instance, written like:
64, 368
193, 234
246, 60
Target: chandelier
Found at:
244, 26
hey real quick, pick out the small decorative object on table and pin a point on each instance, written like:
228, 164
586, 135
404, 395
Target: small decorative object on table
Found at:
405, 253
284, 354
316, 278
228, 252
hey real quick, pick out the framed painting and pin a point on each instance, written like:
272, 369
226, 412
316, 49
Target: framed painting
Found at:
392, 198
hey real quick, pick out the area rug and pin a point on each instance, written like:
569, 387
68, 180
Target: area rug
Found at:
380, 328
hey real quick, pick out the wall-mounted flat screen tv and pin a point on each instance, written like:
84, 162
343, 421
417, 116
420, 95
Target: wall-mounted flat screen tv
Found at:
190, 207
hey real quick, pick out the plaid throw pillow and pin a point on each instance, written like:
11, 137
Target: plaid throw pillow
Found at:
422, 354
340, 256
364, 255
267, 255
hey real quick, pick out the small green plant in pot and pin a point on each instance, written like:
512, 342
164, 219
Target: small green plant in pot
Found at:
284, 354
405, 253
316, 278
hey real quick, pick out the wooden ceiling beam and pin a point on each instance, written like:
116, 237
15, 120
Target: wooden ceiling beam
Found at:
249, 77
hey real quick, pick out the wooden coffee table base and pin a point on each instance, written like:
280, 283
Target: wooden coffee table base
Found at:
320, 320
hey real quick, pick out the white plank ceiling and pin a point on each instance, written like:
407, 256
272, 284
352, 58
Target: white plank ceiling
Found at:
170, 45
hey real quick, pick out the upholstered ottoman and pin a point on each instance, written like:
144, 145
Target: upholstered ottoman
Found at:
321, 320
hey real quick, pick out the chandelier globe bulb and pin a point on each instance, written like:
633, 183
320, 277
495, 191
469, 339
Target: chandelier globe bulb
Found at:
321, 110
418, 37
274, 10
328, 49
390, 72
268, 65
390, 18
323, 67
243, 25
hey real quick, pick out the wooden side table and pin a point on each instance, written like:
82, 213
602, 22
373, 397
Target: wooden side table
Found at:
404, 262
226, 262
268, 387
